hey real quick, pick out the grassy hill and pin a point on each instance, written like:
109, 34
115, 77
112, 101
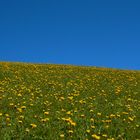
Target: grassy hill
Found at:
52, 102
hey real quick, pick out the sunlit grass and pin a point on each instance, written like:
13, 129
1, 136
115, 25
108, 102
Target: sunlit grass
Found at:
52, 102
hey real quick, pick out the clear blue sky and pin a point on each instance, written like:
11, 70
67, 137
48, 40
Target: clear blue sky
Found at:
80, 32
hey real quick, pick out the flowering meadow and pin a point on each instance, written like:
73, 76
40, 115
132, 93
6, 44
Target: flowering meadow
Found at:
62, 102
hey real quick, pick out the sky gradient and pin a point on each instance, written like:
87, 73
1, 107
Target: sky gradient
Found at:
104, 33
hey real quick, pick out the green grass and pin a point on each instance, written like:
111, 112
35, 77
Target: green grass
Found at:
54, 102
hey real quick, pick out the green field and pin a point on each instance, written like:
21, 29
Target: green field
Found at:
54, 102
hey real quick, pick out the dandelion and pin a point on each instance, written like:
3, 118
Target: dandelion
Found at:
93, 126
70, 131
7, 115
20, 121
9, 124
19, 95
104, 135
112, 116
82, 115
92, 120
11, 104
73, 123
23, 107
62, 135
21, 117
99, 114
7, 119
88, 131
46, 113
96, 137
45, 120
33, 125
27, 129
131, 119
19, 110
68, 113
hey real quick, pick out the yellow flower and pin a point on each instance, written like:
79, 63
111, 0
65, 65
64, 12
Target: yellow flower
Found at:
20, 121
22, 117
0, 114
19, 109
46, 113
62, 98
73, 123
112, 116
68, 113
19, 95
96, 137
23, 107
92, 120
111, 139
88, 131
70, 131
7, 119
7, 115
11, 104
33, 125
125, 113
27, 130
70, 97
9, 124
45, 120
131, 119
62, 135
91, 110
93, 126
99, 114
104, 135
82, 115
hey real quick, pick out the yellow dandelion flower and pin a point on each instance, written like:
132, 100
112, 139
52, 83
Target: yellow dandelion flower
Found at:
112, 116
7, 115
22, 117
20, 121
96, 137
104, 135
68, 113
70, 131
33, 125
88, 131
92, 120
73, 123
46, 113
31, 104
91, 110
19, 110
99, 114
62, 135
93, 126
0, 114
11, 104
131, 119
27, 129
23, 107
70, 97
62, 98
45, 120
19, 95
7, 119
82, 115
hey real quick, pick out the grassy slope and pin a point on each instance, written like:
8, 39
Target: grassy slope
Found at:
67, 102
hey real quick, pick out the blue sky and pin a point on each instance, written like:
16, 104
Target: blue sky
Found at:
103, 33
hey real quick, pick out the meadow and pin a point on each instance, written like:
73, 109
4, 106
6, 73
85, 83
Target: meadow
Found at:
63, 102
